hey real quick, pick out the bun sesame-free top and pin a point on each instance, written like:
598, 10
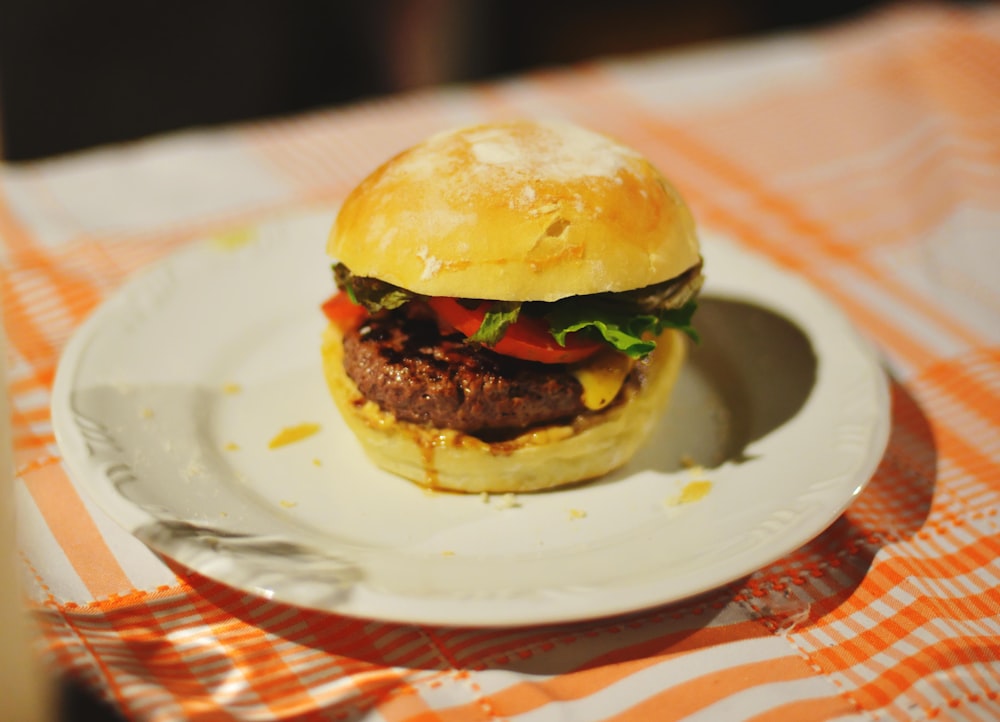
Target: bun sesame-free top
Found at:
516, 210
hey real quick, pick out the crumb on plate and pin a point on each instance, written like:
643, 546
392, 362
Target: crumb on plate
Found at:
507, 501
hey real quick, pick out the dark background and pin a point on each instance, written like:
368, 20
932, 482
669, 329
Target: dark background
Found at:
78, 73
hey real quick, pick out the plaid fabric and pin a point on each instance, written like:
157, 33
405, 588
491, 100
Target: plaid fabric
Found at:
865, 157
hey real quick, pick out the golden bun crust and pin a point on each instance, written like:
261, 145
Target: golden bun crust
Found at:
536, 460
540, 210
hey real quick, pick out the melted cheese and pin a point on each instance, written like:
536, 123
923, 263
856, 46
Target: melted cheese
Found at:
602, 377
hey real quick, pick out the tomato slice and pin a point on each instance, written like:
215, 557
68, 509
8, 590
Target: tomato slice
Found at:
528, 338
344, 312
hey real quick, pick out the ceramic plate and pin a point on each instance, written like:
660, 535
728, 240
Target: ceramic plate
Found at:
167, 399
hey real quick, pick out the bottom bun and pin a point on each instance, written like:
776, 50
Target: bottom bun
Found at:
545, 457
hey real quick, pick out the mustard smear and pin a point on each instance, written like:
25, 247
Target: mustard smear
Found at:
694, 491
291, 434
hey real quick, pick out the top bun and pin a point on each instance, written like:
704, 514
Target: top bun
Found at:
516, 211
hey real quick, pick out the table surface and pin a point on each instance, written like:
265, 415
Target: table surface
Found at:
864, 158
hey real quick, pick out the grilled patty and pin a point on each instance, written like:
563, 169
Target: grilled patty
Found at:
402, 361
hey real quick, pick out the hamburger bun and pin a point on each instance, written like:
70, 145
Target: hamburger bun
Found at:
541, 210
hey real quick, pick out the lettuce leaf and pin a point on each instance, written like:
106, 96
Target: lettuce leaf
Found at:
627, 321
371, 293
499, 316
632, 334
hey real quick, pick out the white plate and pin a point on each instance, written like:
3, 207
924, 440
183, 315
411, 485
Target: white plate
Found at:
783, 405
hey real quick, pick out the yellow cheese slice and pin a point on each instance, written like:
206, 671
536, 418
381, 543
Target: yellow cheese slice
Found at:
602, 377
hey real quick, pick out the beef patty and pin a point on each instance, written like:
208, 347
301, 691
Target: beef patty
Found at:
401, 360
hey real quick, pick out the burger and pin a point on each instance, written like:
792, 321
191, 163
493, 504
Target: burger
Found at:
512, 306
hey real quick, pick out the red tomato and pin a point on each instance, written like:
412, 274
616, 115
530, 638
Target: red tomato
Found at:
528, 338
343, 312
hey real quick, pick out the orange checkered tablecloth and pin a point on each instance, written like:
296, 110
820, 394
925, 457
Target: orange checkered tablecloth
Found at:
864, 157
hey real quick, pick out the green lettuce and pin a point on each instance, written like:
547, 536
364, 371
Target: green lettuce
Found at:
499, 316
371, 293
631, 333
627, 321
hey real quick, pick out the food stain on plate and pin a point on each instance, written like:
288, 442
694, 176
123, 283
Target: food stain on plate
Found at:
693, 490
233, 239
291, 434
